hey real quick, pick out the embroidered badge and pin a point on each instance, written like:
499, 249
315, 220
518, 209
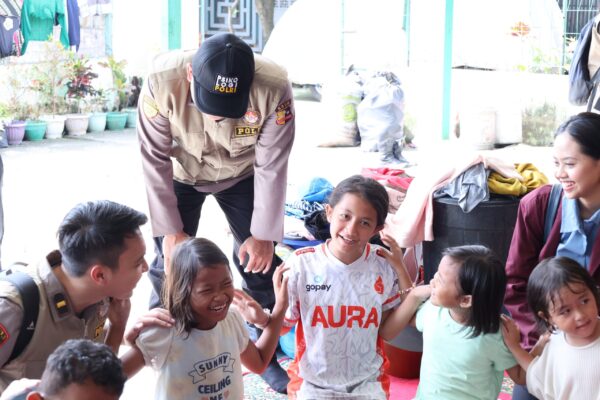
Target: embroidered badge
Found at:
226, 84
242, 131
150, 108
99, 329
283, 112
251, 117
379, 285
4, 336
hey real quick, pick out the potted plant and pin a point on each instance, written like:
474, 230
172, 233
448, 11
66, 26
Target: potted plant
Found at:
48, 82
135, 87
116, 120
15, 126
16, 109
79, 92
34, 127
98, 106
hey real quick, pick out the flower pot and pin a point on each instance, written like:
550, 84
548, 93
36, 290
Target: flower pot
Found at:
55, 125
35, 130
77, 124
15, 131
97, 122
115, 121
131, 118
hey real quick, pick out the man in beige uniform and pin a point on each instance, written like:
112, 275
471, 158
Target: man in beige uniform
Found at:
219, 121
88, 281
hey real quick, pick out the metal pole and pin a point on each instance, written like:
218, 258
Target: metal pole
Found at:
174, 24
406, 28
447, 69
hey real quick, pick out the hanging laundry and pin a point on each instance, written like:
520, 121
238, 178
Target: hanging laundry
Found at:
11, 8
73, 23
38, 18
9, 36
11, 39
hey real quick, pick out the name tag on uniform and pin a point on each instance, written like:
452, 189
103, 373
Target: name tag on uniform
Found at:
241, 131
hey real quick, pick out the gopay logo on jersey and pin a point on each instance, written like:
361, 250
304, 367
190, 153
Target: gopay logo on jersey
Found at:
317, 285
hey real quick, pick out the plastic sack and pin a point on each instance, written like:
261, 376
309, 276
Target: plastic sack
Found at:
341, 100
381, 116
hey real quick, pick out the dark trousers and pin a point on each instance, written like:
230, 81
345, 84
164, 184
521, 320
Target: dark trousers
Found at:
520, 393
237, 203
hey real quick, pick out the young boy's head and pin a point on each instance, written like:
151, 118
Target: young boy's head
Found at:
80, 369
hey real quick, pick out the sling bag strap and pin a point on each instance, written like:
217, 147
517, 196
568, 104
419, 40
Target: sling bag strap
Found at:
30, 296
551, 210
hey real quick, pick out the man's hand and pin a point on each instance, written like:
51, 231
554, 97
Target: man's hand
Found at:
168, 244
154, 317
118, 312
259, 254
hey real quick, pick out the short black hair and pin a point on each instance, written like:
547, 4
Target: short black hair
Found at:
80, 360
366, 188
546, 281
189, 257
95, 232
583, 128
481, 275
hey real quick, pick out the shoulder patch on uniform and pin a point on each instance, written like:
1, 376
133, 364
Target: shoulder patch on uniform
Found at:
4, 336
304, 250
251, 117
149, 107
283, 112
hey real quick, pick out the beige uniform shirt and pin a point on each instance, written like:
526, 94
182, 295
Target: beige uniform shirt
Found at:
178, 142
56, 323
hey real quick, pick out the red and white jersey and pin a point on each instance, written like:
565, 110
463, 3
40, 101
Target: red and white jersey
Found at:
338, 310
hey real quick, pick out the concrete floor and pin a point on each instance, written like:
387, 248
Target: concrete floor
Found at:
43, 180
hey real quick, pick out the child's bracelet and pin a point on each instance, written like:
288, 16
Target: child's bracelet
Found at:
263, 326
406, 291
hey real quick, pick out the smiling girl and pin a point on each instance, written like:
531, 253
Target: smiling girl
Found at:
574, 232
340, 294
201, 356
564, 299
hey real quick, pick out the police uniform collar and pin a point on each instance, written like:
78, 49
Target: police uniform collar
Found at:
58, 298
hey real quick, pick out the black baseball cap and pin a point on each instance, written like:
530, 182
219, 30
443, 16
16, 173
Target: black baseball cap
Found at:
223, 70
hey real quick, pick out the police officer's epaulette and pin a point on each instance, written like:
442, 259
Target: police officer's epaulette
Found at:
304, 250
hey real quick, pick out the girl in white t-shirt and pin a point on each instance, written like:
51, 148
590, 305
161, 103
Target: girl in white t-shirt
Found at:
201, 356
565, 300
340, 293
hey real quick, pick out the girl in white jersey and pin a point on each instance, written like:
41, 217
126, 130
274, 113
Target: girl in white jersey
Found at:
564, 299
464, 356
340, 293
201, 356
